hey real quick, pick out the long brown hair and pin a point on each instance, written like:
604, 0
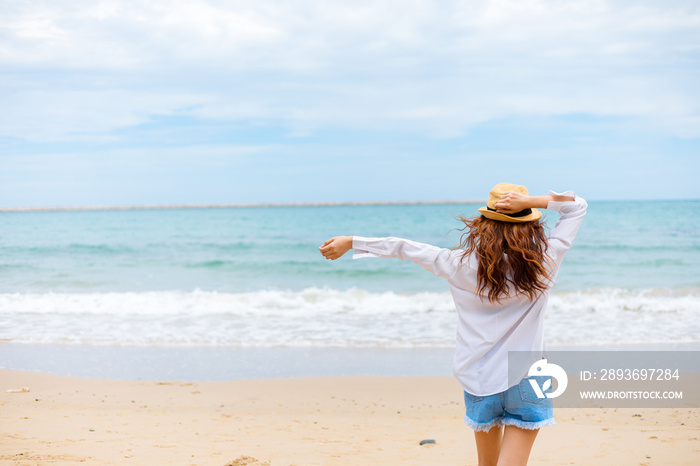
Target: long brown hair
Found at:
508, 253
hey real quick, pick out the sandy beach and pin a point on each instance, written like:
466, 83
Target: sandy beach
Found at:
302, 421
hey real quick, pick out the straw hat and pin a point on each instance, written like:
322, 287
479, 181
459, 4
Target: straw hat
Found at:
526, 215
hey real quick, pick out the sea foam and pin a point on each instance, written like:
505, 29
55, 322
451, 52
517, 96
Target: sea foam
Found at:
330, 318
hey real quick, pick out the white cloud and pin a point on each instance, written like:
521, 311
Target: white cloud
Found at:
65, 115
436, 67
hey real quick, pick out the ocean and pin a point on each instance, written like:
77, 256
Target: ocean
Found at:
251, 281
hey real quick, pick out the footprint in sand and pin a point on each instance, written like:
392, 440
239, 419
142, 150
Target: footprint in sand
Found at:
247, 461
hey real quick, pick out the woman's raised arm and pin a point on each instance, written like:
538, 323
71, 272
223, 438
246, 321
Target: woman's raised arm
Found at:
511, 202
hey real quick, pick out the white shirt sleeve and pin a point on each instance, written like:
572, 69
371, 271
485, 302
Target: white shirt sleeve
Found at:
440, 262
562, 235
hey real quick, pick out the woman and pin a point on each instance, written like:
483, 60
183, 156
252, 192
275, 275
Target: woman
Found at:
500, 280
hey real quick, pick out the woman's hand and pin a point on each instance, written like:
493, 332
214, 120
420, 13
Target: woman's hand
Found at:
335, 247
512, 202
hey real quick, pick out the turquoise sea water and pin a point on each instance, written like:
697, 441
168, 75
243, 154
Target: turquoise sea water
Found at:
253, 277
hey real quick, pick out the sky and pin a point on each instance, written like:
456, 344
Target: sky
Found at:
225, 101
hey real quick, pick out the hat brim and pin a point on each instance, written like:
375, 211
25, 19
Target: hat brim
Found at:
505, 218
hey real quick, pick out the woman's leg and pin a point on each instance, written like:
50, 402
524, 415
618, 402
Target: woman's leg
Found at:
488, 445
516, 446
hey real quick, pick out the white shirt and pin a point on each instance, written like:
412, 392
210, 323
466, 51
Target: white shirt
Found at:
486, 331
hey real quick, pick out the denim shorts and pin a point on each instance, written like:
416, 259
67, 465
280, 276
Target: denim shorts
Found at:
518, 406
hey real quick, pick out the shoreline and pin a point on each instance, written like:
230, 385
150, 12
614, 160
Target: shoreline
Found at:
212, 364
341, 421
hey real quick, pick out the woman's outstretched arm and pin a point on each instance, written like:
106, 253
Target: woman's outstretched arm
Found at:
439, 261
336, 247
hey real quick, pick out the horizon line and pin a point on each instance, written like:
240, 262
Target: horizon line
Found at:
231, 205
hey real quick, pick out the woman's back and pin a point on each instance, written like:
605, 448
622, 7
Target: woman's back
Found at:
488, 329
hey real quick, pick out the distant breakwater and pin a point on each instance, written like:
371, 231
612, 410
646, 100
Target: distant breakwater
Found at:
232, 206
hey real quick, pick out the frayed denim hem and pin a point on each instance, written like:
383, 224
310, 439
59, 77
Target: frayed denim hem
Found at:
509, 421
481, 426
